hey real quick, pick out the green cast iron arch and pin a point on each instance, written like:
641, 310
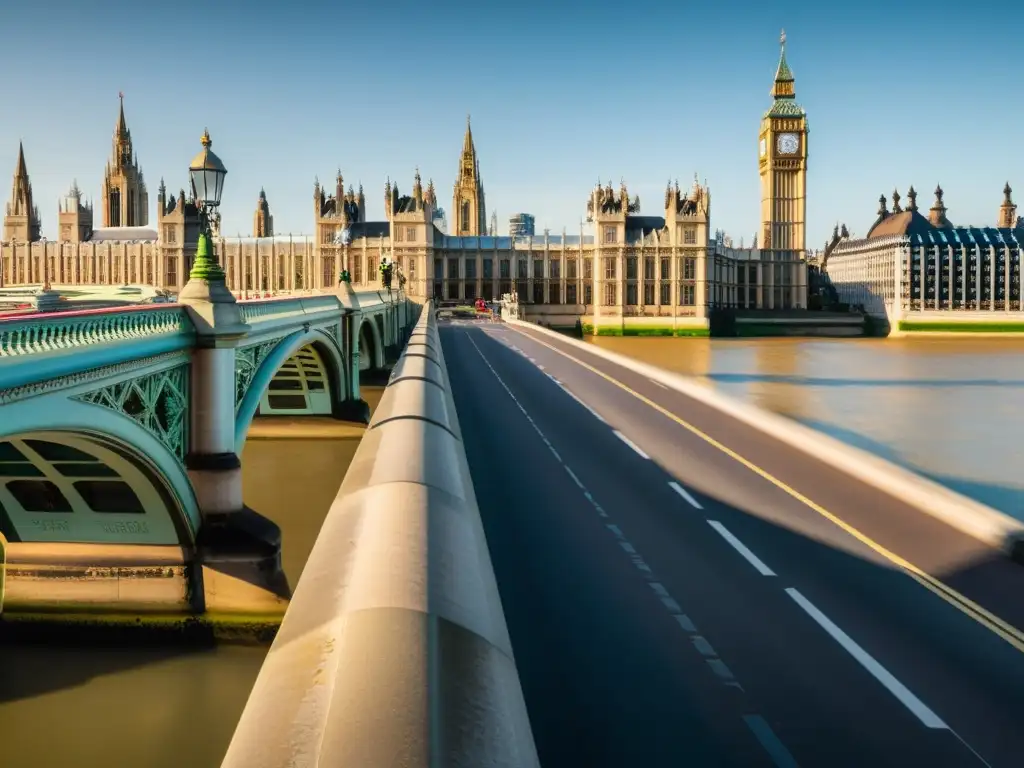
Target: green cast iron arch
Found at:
330, 354
370, 333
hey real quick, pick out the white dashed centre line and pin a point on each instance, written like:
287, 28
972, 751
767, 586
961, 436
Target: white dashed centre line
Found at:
740, 547
917, 707
715, 664
685, 494
631, 444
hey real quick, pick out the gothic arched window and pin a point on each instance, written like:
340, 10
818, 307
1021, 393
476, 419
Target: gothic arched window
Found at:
465, 215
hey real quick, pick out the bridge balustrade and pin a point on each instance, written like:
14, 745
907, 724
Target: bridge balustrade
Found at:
394, 649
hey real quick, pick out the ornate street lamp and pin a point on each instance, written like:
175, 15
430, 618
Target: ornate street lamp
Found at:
207, 174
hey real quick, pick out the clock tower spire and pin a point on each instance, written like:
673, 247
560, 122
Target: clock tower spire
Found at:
783, 166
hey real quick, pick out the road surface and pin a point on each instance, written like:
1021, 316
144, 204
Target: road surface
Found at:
669, 605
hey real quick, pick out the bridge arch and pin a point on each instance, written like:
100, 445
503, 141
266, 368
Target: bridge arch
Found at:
371, 344
90, 486
309, 357
382, 323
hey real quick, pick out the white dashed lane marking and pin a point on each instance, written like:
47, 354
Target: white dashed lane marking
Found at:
685, 494
715, 664
631, 444
740, 547
895, 687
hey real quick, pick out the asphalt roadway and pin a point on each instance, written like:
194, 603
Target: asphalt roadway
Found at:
669, 605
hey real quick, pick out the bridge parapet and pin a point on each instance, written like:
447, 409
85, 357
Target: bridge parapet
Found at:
41, 333
394, 649
256, 310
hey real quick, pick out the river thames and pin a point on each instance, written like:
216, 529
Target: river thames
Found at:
949, 408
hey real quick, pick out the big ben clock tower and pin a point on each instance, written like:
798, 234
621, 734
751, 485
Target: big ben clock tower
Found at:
783, 165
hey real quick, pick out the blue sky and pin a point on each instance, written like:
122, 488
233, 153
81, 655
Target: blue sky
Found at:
561, 94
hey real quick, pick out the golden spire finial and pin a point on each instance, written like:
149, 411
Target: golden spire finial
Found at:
206, 141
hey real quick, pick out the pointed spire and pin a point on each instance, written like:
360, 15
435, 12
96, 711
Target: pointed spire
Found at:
783, 74
122, 124
912, 197
782, 87
467, 141
21, 171
1007, 194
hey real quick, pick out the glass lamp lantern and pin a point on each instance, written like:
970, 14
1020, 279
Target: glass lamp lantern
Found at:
207, 173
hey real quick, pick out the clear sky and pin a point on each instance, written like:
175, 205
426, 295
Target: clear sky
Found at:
561, 94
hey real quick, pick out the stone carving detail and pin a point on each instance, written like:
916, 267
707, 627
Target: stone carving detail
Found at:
247, 361
157, 402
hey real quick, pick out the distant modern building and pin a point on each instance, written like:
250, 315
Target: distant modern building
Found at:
910, 269
522, 225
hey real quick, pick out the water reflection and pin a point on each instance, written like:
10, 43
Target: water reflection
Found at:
952, 409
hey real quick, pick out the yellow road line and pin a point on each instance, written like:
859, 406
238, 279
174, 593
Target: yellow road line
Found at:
961, 602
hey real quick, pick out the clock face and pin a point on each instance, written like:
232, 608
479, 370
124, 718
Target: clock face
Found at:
764, 146
789, 144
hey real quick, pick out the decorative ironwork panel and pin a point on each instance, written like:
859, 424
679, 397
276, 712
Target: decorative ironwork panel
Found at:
334, 332
85, 377
157, 402
247, 361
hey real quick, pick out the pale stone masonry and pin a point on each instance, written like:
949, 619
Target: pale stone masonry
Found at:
659, 274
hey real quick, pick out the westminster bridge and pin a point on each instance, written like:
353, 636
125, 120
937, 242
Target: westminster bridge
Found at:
121, 433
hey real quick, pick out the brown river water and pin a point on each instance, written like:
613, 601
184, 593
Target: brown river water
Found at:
949, 408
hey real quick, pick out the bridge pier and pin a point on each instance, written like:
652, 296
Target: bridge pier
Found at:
237, 568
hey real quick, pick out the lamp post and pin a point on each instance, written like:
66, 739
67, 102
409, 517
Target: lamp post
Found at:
212, 460
207, 174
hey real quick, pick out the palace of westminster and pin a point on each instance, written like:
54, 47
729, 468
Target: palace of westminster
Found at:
636, 270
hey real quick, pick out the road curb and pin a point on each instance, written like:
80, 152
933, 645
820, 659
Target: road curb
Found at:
988, 525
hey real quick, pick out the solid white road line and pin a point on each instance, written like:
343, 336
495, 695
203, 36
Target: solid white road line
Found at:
740, 547
685, 494
631, 444
919, 709
657, 383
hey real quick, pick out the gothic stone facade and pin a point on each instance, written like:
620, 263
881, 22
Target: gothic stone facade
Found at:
657, 273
